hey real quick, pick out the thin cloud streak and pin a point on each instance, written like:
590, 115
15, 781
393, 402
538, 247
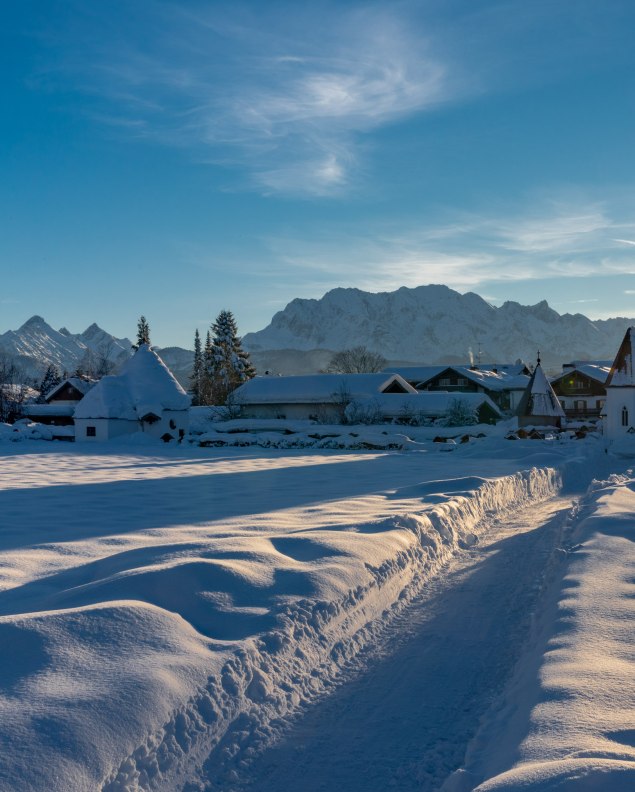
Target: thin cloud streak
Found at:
574, 243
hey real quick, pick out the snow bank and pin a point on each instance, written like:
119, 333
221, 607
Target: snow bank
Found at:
567, 720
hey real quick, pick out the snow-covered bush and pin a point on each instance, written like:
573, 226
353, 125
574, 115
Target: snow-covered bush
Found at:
367, 413
460, 414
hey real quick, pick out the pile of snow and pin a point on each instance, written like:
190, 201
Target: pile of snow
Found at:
27, 430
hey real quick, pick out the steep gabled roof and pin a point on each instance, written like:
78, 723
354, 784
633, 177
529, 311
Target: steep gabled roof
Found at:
539, 399
79, 383
145, 386
622, 369
317, 388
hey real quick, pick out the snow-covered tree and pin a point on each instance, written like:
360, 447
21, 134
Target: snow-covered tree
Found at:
460, 414
143, 332
50, 380
230, 364
196, 377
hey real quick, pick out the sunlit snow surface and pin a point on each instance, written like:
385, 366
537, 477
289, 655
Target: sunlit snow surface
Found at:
149, 599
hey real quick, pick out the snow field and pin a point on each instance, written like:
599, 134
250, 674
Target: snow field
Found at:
163, 610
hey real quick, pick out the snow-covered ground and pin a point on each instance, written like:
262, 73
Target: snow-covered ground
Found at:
166, 612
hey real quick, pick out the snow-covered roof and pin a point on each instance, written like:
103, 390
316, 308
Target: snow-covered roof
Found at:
494, 379
416, 374
539, 398
622, 369
595, 370
144, 386
79, 383
426, 403
507, 377
311, 388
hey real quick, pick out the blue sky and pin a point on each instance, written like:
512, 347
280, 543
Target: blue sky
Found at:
174, 159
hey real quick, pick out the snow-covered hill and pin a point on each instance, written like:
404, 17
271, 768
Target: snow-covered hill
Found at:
436, 324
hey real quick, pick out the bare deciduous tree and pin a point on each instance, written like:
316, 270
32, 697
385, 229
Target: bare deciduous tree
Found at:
13, 390
357, 360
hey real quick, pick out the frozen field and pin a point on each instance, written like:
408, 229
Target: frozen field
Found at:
169, 616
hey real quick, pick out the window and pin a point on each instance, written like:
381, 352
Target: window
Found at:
624, 416
91, 431
599, 404
461, 381
445, 382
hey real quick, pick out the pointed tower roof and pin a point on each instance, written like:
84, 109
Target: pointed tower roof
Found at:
621, 373
539, 399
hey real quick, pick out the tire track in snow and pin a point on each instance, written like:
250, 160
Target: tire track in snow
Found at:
414, 700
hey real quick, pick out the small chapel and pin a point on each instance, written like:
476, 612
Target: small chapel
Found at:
539, 405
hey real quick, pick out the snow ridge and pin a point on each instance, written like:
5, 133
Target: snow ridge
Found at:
235, 714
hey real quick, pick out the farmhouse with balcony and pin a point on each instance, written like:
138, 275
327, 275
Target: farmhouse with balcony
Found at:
581, 388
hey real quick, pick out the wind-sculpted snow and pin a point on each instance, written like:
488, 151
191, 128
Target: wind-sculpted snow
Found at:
161, 611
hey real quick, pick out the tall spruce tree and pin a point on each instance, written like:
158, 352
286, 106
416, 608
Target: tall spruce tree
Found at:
196, 378
206, 372
143, 333
230, 363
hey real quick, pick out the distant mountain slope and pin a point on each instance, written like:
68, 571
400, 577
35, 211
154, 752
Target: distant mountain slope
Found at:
435, 324
36, 345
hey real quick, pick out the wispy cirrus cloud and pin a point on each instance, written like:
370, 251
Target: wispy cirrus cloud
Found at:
287, 97
560, 241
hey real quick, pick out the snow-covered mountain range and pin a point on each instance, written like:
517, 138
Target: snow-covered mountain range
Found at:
427, 324
434, 324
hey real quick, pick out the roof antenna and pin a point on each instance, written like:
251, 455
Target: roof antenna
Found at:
538, 359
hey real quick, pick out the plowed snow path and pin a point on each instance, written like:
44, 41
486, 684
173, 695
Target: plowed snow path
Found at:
405, 717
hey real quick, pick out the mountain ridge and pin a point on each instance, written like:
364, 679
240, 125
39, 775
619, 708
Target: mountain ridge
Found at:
435, 324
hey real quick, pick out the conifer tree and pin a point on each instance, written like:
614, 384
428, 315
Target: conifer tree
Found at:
230, 363
205, 393
197, 370
50, 380
143, 332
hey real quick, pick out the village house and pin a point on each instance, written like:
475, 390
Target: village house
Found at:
59, 405
503, 383
619, 422
581, 388
145, 397
320, 397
